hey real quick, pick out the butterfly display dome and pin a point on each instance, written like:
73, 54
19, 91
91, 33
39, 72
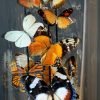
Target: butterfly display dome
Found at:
44, 51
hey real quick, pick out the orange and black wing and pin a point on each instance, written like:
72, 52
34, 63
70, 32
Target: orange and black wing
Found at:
16, 82
36, 70
30, 3
67, 12
48, 16
63, 22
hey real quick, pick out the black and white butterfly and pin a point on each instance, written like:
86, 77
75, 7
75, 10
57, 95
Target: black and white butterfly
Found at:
59, 89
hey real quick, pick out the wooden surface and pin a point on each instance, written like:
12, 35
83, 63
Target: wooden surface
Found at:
98, 54
90, 54
11, 15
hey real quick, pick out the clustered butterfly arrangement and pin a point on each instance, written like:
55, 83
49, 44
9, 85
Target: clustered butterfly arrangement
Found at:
47, 78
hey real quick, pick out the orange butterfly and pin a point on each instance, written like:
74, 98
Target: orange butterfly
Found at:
18, 72
40, 3
63, 20
42, 46
30, 3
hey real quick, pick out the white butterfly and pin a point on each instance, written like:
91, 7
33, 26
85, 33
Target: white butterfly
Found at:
22, 38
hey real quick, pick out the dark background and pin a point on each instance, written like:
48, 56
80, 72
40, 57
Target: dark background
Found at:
11, 16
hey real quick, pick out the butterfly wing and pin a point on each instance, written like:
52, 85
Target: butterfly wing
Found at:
37, 3
35, 87
71, 66
36, 70
69, 44
61, 86
36, 48
21, 60
14, 69
30, 3
59, 50
63, 22
62, 94
39, 45
28, 21
42, 31
16, 82
67, 12
16, 72
33, 29
13, 36
23, 41
63, 89
20, 38
57, 3
48, 16
51, 55
30, 26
